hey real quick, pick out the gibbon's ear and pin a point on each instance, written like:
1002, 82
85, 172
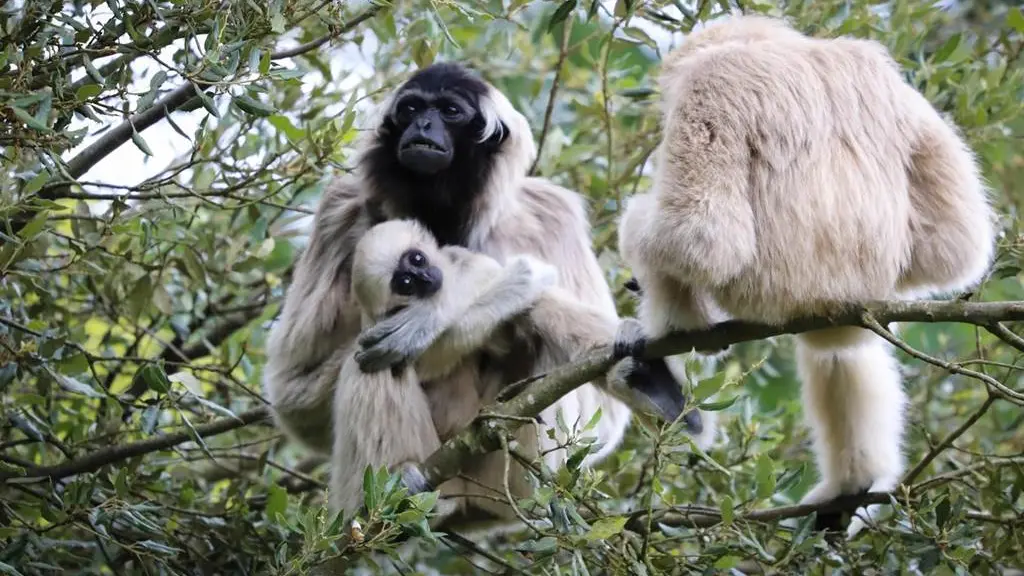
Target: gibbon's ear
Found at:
498, 138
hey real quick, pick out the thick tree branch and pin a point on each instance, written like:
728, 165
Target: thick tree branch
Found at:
480, 438
100, 458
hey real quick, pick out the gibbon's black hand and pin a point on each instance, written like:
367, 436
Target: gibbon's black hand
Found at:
629, 339
399, 337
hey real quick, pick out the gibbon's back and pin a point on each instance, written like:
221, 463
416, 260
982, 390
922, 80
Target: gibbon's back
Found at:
820, 134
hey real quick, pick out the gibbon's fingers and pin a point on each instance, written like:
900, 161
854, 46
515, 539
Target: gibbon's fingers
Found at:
630, 339
407, 334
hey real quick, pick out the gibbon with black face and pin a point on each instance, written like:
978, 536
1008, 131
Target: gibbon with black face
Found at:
469, 189
795, 174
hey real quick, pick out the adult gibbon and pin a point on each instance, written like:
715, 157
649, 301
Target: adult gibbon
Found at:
451, 152
397, 265
796, 173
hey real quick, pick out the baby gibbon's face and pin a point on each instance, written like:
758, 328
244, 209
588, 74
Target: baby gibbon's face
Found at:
415, 276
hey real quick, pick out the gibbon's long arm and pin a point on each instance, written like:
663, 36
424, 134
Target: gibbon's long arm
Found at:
438, 336
318, 321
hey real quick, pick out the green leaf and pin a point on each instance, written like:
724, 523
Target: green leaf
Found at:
8, 569
75, 386
284, 124
277, 501
88, 91
726, 562
561, 13
29, 120
265, 62
138, 141
155, 378
34, 226
92, 71
150, 418
718, 406
1015, 19
764, 472
709, 386
253, 106
726, 507
36, 183
605, 528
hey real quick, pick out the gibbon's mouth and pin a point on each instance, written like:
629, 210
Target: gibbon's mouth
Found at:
425, 145
395, 310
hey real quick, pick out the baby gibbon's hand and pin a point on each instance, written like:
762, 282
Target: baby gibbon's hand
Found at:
399, 337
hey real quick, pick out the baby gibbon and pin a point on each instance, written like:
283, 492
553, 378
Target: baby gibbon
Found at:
795, 174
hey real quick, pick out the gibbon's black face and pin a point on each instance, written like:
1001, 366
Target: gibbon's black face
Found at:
416, 276
430, 159
430, 124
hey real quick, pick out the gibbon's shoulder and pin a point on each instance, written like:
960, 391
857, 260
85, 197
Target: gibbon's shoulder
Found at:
543, 197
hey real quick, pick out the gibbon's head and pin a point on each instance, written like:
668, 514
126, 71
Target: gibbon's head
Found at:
395, 262
444, 139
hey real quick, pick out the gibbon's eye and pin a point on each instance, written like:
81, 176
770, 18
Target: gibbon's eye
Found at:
451, 111
407, 110
417, 259
403, 285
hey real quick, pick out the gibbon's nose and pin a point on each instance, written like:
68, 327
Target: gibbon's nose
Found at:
429, 280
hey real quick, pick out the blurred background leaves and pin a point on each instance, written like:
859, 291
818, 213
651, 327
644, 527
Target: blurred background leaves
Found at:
143, 257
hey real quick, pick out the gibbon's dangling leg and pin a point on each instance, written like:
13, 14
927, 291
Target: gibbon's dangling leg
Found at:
796, 174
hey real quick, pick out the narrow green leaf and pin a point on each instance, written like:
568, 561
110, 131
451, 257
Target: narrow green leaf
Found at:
561, 13
138, 141
92, 71
29, 120
75, 386
764, 472
37, 182
253, 106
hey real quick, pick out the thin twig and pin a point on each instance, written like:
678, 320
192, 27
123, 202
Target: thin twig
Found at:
566, 33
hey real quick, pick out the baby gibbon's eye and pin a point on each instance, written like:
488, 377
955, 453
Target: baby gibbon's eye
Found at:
417, 259
403, 285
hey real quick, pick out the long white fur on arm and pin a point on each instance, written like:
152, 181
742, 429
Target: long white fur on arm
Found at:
318, 322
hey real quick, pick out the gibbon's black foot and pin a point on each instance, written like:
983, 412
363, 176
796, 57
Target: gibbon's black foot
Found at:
829, 522
837, 520
414, 480
630, 340
652, 380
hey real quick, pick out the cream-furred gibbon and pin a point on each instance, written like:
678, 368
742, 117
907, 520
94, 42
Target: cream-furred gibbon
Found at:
450, 152
795, 174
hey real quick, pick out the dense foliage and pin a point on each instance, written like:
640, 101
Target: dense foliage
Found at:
140, 268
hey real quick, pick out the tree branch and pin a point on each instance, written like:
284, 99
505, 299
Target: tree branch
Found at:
120, 134
100, 458
479, 438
